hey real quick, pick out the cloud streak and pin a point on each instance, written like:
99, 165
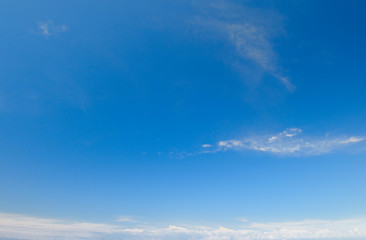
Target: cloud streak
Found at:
126, 219
288, 142
25, 227
16, 226
249, 32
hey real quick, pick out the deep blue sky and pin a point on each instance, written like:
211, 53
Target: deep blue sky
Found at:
183, 112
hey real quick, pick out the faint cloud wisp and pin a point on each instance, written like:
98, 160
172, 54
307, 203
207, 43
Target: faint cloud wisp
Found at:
126, 219
249, 32
48, 28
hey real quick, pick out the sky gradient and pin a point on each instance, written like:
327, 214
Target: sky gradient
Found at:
182, 119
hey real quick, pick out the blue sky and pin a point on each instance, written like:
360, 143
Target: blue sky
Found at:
182, 120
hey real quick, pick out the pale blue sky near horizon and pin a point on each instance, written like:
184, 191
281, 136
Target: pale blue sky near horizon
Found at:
183, 112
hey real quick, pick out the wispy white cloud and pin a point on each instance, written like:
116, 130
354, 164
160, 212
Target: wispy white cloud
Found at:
242, 219
49, 28
290, 142
206, 145
25, 227
126, 219
15, 226
249, 31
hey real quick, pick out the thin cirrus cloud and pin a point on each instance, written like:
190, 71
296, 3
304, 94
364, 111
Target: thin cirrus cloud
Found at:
14, 226
126, 219
48, 28
287, 142
250, 34
242, 219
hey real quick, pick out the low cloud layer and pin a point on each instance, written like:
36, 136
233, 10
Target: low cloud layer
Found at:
289, 142
13, 226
